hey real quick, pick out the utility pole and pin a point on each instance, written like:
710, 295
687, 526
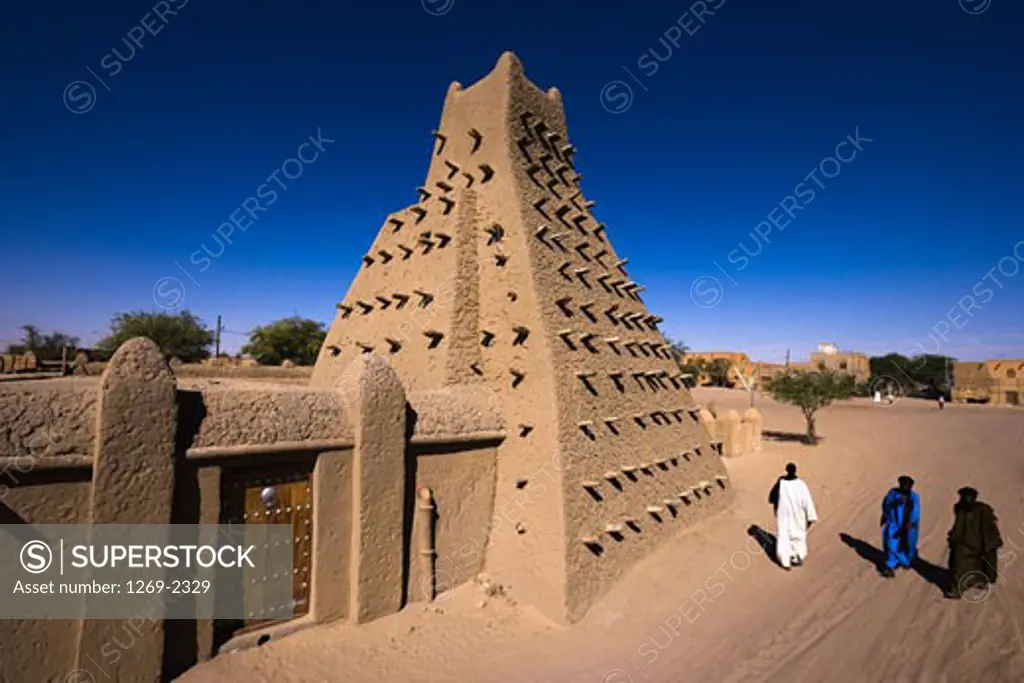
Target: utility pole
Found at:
787, 358
216, 338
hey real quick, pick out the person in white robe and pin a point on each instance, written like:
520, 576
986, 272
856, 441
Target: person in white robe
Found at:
794, 515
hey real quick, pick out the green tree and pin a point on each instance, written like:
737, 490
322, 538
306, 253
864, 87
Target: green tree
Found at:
44, 346
719, 372
925, 373
810, 392
180, 335
930, 370
295, 339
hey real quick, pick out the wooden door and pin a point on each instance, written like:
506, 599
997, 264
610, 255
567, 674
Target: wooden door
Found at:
274, 495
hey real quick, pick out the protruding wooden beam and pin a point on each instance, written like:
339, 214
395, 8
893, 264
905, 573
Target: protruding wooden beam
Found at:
552, 186
425, 297
532, 170
346, 311
419, 212
541, 232
521, 334
579, 221
495, 234
561, 211
441, 139
539, 205
393, 344
524, 147
477, 139
435, 338
426, 241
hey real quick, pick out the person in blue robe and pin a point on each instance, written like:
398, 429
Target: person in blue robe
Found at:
901, 520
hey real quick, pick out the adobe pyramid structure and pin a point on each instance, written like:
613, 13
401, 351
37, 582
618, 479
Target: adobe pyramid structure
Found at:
502, 276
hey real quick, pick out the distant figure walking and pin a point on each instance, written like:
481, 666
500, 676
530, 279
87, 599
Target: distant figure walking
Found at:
878, 397
942, 402
901, 520
974, 544
794, 515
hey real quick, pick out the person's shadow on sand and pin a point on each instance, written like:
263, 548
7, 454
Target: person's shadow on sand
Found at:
766, 540
933, 574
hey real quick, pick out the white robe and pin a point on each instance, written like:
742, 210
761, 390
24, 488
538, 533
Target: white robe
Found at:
796, 509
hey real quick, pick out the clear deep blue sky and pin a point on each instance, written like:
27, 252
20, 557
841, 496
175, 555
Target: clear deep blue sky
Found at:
98, 207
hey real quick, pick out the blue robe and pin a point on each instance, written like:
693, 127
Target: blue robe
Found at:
900, 547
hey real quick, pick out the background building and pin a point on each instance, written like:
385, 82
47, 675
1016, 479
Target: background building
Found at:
744, 371
853, 363
996, 381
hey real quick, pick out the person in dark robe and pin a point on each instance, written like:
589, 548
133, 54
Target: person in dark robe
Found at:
974, 544
901, 520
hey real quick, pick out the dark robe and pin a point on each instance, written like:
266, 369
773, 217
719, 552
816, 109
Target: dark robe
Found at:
974, 543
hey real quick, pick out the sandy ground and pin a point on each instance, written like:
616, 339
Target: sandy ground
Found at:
712, 607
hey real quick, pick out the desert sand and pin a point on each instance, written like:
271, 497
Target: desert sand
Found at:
711, 606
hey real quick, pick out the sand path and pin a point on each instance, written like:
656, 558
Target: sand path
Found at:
712, 607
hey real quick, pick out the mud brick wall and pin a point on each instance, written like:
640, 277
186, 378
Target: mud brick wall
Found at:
133, 448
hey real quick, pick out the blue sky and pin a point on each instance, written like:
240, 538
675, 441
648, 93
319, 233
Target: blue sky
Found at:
100, 206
